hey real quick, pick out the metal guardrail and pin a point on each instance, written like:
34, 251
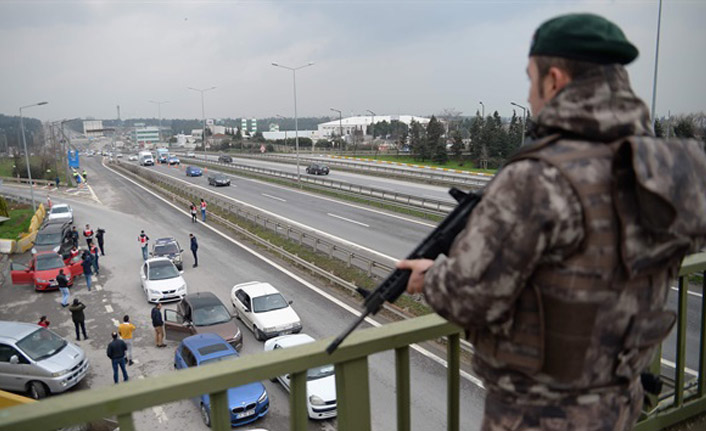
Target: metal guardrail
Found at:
26, 181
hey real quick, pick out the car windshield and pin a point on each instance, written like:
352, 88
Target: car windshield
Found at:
319, 372
271, 302
163, 270
169, 248
50, 261
41, 344
218, 359
212, 314
59, 210
47, 238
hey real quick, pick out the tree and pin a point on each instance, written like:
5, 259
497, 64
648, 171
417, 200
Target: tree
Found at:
417, 139
475, 134
436, 145
659, 128
684, 128
457, 145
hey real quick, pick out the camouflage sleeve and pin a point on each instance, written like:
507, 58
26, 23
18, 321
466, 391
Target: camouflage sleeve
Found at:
529, 215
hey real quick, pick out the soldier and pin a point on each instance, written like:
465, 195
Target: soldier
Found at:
561, 275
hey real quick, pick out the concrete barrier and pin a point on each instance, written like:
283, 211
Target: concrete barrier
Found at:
8, 399
7, 246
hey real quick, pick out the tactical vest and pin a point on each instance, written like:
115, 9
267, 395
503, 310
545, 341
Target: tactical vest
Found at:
584, 322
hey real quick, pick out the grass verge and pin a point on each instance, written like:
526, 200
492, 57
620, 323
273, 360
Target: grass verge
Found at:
20, 217
451, 164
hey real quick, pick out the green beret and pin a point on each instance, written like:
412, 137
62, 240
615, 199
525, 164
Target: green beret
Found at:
583, 37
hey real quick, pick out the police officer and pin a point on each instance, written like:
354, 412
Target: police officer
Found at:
88, 234
561, 275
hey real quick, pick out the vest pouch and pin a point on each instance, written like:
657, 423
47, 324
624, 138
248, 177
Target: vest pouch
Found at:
646, 331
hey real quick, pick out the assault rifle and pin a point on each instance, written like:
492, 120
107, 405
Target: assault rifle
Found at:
439, 241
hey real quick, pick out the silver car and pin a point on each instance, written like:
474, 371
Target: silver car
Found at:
38, 361
61, 212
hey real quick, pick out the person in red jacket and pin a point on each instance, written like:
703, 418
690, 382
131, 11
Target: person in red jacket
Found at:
203, 210
88, 234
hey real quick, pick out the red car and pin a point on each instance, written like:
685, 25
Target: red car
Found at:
43, 269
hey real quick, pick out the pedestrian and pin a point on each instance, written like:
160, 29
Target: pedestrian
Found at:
194, 249
192, 210
100, 232
74, 236
77, 180
144, 243
116, 352
49, 204
79, 318
87, 263
88, 234
94, 258
43, 322
203, 209
84, 174
561, 278
63, 281
57, 180
126, 329
158, 324
73, 254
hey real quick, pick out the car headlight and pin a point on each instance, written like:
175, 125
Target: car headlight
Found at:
40, 280
316, 401
155, 292
59, 374
263, 397
182, 288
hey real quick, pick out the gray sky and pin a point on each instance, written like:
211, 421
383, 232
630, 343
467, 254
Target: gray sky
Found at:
392, 57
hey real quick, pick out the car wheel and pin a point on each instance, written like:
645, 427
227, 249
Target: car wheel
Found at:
205, 415
259, 336
37, 390
180, 267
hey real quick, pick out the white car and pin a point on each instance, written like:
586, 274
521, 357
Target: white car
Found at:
264, 310
162, 281
190, 154
132, 158
320, 381
61, 212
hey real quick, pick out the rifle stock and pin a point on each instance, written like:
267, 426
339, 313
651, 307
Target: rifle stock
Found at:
439, 241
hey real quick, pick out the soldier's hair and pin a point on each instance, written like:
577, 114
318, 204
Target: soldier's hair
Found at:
574, 68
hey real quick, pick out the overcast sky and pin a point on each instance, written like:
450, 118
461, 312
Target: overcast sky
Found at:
391, 57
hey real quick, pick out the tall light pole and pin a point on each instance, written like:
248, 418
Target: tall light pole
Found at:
484, 153
24, 143
372, 124
340, 125
203, 115
285, 131
524, 116
482, 112
159, 114
296, 118
654, 81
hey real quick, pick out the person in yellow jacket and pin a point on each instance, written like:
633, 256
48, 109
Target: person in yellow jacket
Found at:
125, 330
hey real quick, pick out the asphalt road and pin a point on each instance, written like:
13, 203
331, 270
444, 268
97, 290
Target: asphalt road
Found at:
123, 209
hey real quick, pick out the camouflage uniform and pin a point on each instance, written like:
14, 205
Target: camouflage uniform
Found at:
545, 254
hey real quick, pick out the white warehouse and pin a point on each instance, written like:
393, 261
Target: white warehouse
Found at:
349, 124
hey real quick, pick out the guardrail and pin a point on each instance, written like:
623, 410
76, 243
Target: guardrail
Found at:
26, 181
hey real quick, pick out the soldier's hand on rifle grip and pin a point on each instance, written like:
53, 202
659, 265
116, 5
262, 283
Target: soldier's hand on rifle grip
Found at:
418, 267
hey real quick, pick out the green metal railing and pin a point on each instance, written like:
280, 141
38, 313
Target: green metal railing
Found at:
351, 360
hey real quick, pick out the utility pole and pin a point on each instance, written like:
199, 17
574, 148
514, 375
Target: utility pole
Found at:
340, 125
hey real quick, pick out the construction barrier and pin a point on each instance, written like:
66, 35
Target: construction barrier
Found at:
8, 399
26, 240
7, 246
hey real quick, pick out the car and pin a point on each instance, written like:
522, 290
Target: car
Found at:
169, 248
162, 158
218, 180
119, 156
320, 381
263, 309
173, 160
61, 212
317, 169
36, 360
132, 158
54, 237
190, 154
42, 269
225, 159
161, 280
193, 171
199, 313
246, 403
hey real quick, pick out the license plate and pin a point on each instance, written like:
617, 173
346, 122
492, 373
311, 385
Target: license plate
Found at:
245, 414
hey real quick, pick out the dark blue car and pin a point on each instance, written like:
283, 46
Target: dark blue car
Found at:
246, 403
193, 171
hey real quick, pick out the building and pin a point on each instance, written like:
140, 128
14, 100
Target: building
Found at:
350, 124
93, 128
290, 134
145, 135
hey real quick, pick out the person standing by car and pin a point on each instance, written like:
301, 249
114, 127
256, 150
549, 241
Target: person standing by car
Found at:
73, 254
79, 318
88, 234
94, 257
203, 209
87, 271
74, 236
99, 237
192, 210
158, 325
194, 249
126, 329
63, 281
116, 352
144, 243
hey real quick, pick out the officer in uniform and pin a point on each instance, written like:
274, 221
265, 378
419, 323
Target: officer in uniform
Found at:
562, 273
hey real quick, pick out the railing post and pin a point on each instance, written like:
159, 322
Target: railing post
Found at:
220, 415
298, 413
681, 345
454, 386
404, 422
352, 388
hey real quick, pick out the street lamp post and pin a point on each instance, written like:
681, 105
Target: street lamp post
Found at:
482, 112
340, 125
296, 118
524, 116
159, 114
372, 124
24, 143
203, 116
484, 153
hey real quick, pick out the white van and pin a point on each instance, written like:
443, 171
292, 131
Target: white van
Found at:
145, 158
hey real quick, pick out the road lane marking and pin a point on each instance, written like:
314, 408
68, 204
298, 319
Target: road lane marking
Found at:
687, 370
93, 194
108, 309
159, 412
698, 295
273, 197
347, 219
115, 321
466, 375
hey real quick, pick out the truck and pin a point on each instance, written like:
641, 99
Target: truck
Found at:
162, 155
145, 158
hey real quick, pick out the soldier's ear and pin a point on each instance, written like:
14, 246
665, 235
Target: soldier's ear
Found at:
554, 81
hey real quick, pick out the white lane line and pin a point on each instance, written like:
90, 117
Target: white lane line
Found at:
273, 197
95, 198
347, 219
108, 309
115, 321
159, 412
687, 370
302, 281
698, 295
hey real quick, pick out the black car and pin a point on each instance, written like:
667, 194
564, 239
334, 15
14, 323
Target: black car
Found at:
169, 248
54, 237
225, 159
218, 180
317, 169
